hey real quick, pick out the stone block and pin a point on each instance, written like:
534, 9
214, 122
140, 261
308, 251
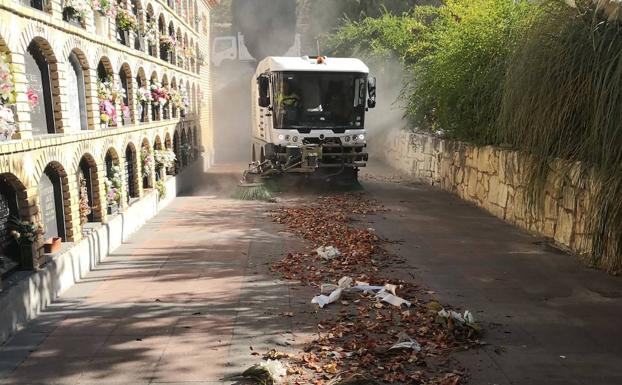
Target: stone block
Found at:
569, 198
471, 182
565, 227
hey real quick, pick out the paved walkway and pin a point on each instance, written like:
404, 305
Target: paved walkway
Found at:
184, 301
190, 299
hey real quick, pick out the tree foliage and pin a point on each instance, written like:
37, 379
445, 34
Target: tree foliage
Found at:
540, 77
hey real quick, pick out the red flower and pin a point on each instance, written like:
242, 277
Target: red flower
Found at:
33, 98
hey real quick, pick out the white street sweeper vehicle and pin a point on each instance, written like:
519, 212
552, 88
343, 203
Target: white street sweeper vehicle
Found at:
309, 115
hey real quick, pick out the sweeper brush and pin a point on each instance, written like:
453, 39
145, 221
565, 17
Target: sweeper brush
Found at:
252, 186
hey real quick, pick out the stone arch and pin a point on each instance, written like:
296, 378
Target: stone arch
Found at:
41, 69
177, 150
131, 172
184, 148
171, 34
55, 203
174, 88
168, 144
156, 111
88, 190
147, 164
13, 204
104, 68
113, 185
166, 107
127, 83
141, 81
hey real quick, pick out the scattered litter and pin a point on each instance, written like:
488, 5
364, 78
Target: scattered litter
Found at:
467, 319
405, 342
323, 299
387, 295
270, 372
328, 252
331, 292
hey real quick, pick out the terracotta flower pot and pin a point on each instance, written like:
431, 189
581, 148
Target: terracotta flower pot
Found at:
52, 245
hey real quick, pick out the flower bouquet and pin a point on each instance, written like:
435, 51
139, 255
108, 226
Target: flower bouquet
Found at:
104, 7
164, 158
112, 183
159, 93
147, 161
168, 42
126, 21
23, 232
151, 34
79, 8
7, 100
143, 95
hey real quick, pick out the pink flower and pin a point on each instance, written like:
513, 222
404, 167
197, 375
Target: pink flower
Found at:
33, 98
126, 111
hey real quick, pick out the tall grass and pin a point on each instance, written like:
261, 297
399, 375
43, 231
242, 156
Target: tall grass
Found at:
562, 98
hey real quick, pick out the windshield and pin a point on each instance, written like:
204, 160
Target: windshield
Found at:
320, 100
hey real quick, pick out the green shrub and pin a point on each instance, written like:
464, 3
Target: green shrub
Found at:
562, 98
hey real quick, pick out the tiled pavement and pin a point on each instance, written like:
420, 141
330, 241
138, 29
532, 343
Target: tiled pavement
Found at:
183, 302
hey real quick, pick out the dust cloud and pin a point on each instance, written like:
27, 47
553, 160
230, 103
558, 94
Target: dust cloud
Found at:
232, 80
269, 28
386, 121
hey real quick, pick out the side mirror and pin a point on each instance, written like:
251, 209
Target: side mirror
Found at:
263, 84
371, 89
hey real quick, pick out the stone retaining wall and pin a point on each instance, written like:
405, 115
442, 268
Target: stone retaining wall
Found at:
495, 180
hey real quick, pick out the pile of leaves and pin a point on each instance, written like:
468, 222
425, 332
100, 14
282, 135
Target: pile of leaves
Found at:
326, 223
356, 337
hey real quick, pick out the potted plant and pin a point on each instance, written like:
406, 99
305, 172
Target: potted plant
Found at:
126, 22
104, 10
75, 11
112, 183
25, 233
109, 94
167, 43
84, 204
143, 96
148, 162
164, 159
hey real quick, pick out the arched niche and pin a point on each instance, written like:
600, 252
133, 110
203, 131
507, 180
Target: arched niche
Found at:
53, 196
114, 181
177, 151
147, 164
76, 91
39, 63
12, 197
125, 75
131, 173
88, 185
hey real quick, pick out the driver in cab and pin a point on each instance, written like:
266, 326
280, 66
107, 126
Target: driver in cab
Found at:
288, 97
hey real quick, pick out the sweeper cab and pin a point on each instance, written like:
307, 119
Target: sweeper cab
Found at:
308, 115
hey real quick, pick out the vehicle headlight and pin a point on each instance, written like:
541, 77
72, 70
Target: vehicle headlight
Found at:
281, 137
362, 137
347, 138
354, 137
286, 137
295, 139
